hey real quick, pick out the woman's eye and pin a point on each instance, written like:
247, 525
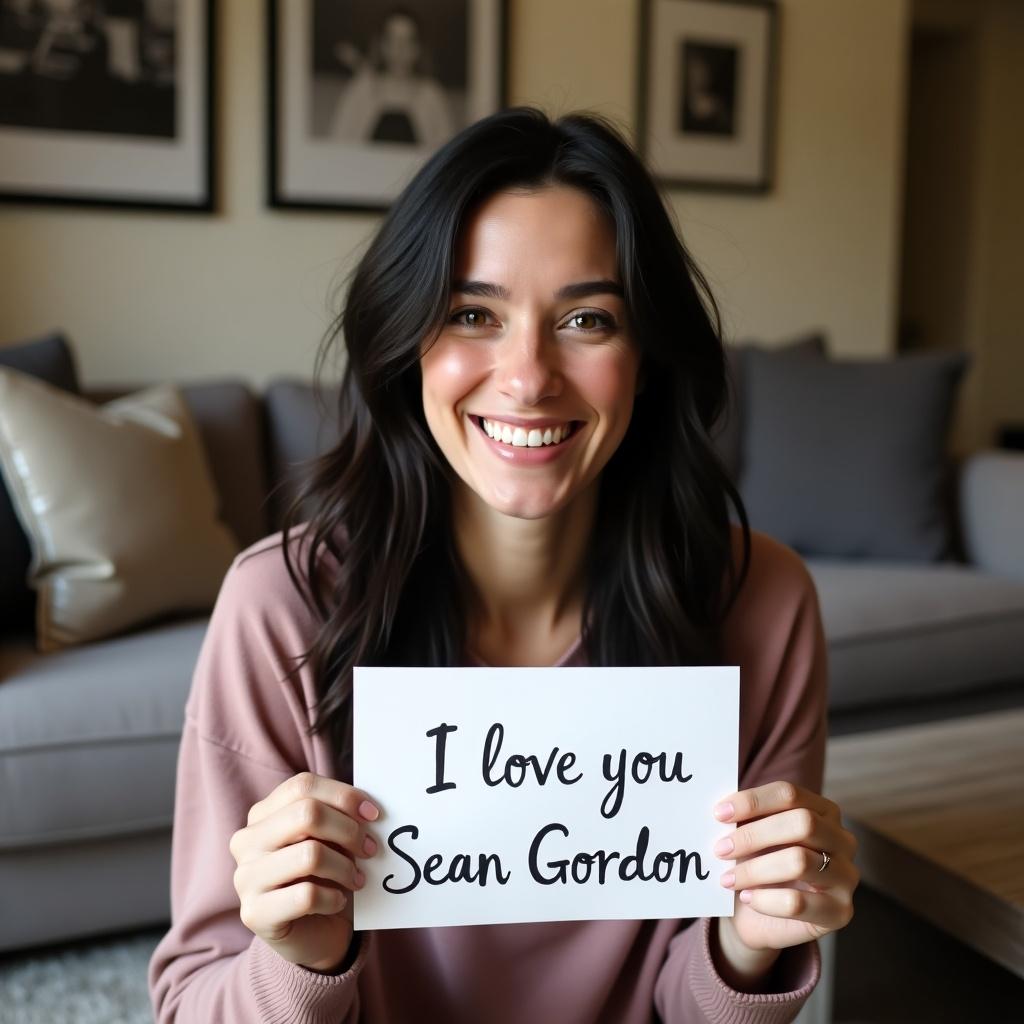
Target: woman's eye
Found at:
474, 317
586, 322
590, 320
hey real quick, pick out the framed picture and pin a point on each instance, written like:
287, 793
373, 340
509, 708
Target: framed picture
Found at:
361, 92
706, 92
107, 104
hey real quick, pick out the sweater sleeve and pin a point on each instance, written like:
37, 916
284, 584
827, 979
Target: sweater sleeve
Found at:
775, 634
240, 739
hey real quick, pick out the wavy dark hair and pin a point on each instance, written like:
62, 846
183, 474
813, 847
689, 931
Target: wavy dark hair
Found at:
660, 575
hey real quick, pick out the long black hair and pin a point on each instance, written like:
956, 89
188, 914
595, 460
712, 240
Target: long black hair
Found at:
660, 574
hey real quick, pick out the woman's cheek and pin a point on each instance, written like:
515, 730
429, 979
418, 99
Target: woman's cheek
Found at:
451, 369
608, 382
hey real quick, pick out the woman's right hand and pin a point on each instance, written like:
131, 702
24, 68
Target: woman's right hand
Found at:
296, 867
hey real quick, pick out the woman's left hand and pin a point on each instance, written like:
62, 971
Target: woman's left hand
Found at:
783, 895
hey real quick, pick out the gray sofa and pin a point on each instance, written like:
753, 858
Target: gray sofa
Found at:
89, 735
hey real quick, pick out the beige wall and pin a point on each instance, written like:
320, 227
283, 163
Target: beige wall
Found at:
246, 291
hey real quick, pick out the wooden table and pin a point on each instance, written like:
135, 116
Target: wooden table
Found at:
938, 810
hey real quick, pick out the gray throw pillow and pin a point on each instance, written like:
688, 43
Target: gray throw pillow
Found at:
847, 458
727, 431
50, 359
302, 423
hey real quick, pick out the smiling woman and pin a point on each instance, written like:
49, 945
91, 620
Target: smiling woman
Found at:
529, 279
525, 476
533, 359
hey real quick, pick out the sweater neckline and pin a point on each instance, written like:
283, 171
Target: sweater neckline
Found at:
567, 656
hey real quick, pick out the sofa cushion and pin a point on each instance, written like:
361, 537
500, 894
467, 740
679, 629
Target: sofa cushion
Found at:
119, 506
902, 632
727, 431
230, 422
301, 424
89, 735
49, 358
847, 458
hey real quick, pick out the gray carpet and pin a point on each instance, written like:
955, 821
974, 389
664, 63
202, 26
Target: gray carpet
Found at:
95, 981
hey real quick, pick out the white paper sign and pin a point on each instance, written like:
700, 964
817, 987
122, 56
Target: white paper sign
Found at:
544, 794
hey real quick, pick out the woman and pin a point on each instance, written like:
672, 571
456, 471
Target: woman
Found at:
389, 99
524, 477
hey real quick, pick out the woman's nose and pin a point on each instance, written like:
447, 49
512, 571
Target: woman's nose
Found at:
527, 369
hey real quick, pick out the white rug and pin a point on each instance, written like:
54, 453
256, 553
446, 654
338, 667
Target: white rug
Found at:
96, 981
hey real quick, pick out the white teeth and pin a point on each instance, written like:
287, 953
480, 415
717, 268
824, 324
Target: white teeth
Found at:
520, 437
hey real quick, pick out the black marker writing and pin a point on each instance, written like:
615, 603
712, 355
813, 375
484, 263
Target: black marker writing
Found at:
516, 765
583, 867
441, 732
643, 763
459, 869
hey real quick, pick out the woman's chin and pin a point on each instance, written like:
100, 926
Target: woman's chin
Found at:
528, 510
525, 505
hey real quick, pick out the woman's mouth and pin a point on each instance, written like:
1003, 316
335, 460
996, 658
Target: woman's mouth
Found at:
518, 436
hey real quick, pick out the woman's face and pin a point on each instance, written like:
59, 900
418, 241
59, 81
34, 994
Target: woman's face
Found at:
400, 44
529, 387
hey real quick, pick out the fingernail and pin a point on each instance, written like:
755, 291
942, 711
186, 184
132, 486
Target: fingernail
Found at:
369, 846
723, 846
360, 877
368, 811
728, 879
746, 896
724, 811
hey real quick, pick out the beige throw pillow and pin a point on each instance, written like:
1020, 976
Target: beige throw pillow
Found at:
118, 504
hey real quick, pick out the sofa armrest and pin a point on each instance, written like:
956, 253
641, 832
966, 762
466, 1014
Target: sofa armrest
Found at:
992, 511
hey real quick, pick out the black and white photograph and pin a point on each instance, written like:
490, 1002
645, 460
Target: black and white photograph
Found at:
708, 76
387, 73
706, 92
363, 91
84, 67
106, 103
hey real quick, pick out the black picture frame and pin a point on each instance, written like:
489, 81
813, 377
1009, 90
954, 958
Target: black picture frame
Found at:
311, 165
706, 93
101, 118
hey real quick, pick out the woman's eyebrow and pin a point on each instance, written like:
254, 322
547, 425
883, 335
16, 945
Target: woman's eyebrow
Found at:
579, 290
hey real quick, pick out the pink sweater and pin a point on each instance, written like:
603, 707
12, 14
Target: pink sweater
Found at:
244, 733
